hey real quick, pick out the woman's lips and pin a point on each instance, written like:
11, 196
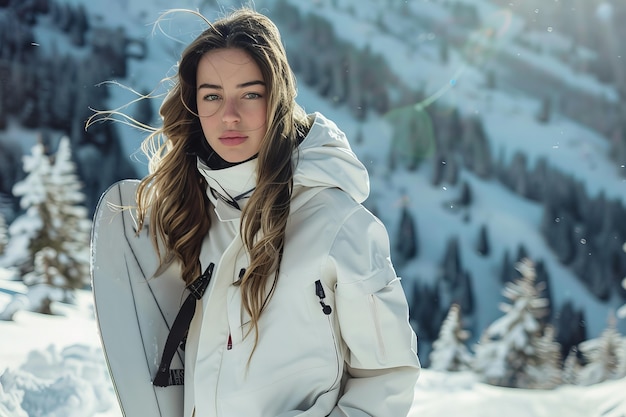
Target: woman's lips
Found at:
232, 139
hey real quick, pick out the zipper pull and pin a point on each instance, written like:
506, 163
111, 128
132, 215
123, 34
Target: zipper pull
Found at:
229, 344
242, 272
319, 291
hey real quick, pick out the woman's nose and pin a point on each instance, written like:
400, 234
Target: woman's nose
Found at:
230, 113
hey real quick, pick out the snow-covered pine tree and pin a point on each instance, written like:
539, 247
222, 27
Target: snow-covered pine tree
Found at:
52, 236
620, 372
621, 312
26, 229
508, 347
571, 367
72, 222
605, 356
544, 370
449, 350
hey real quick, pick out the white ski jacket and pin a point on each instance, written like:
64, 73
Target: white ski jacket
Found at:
357, 356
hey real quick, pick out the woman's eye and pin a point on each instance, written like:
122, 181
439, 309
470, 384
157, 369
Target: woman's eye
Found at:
253, 95
211, 97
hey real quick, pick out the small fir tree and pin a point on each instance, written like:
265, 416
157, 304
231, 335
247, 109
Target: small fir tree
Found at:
571, 329
482, 243
54, 230
449, 350
605, 356
406, 247
505, 267
424, 311
508, 347
465, 197
621, 312
544, 370
28, 229
571, 367
72, 222
3, 234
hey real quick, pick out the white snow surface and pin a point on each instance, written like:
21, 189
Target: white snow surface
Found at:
53, 366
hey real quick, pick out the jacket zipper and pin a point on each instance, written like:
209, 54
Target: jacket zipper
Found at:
379, 333
327, 310
319, 291
229, 342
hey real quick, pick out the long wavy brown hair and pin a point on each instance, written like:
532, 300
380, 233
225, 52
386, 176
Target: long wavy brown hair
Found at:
173, 195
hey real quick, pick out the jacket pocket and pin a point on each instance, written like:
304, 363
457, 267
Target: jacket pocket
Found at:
371, 317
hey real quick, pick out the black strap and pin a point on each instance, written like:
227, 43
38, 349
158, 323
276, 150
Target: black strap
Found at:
178, 332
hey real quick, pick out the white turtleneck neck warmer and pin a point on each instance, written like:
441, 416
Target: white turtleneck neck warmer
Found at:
230, 188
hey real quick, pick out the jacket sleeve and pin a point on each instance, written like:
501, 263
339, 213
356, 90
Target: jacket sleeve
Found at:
372, 314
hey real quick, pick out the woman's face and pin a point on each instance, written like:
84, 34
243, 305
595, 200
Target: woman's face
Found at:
232, 103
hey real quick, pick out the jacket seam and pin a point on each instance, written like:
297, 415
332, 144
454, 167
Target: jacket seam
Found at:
338, 356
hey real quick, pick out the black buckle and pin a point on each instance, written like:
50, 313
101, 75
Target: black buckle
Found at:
199, 286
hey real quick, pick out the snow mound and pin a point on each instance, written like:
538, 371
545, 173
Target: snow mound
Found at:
71, 382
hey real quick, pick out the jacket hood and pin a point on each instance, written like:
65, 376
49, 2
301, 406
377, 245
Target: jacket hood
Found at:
325, 159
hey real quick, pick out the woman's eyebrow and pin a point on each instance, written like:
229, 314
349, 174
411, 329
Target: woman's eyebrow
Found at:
251, 83
242, 85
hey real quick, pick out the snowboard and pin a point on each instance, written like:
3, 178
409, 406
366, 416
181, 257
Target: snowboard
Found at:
134, 307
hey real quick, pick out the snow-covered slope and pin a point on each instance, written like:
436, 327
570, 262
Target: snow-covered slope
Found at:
509, 116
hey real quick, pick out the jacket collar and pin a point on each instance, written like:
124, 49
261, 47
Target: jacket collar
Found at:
230, 188
323, 160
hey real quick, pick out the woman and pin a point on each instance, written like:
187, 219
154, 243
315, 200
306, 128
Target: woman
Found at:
303, 315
